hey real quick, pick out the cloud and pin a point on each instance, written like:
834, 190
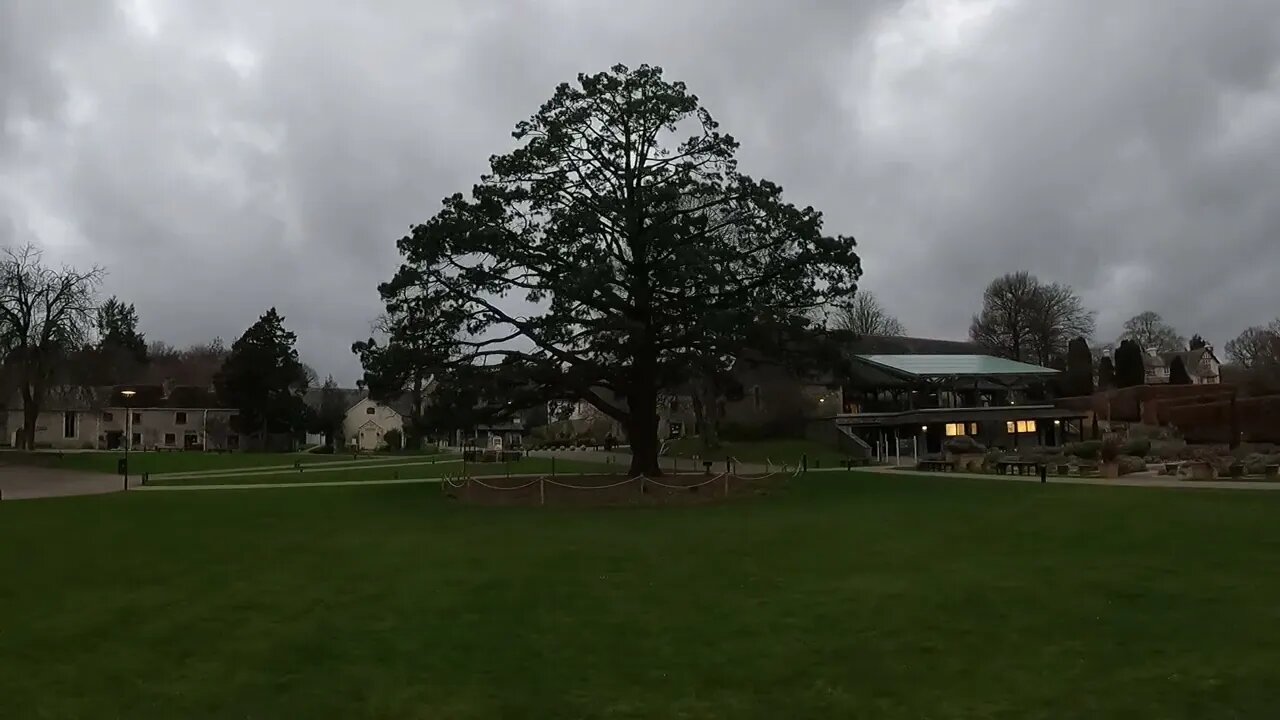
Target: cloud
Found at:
222, 158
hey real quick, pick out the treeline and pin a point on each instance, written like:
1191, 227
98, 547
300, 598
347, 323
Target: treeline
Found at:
56, 332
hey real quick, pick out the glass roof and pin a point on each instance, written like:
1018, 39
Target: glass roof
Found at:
952, 365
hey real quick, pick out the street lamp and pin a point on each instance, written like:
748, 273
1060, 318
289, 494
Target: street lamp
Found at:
128, 430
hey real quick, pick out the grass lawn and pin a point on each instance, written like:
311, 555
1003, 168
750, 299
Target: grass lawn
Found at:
166, 462
776, 451
387, 469
847, 596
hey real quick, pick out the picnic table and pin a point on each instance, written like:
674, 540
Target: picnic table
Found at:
1022, 467
940, 465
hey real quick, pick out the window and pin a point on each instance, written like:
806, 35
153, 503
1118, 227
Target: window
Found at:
170, 439
180, 418
1020, 427
973, 429
954, 429
107, 417
69, 424
137, 418
368, 410
136, 441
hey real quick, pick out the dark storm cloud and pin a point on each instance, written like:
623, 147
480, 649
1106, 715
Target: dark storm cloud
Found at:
220, 158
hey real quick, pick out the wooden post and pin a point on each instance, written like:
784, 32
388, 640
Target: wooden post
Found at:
726, 484
542, 491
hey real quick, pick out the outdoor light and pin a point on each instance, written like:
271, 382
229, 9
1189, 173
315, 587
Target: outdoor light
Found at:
1057, 422
128, 393
924, 428
822, 400
128, 437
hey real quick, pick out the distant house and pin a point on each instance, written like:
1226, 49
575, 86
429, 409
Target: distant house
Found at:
1202, 366
104, 418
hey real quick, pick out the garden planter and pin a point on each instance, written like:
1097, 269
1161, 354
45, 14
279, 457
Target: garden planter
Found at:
966, 462
1110, 469
1203, 471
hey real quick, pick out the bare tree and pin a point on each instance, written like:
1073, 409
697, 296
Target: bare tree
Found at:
1258, 347
1024, 319
45, 314
866, 316
1057, 316
1150, 331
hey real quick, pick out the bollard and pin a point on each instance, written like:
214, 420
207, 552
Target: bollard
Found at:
804, 462
1044, 473
145, 477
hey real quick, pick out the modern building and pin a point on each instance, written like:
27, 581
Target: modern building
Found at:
910, 403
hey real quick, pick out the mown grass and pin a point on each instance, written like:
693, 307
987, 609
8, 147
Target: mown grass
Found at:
778, 452
845, 596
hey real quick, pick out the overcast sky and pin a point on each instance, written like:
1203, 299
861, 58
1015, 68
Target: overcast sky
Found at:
219, 158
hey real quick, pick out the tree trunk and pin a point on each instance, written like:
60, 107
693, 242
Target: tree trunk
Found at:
642, 432
30, 415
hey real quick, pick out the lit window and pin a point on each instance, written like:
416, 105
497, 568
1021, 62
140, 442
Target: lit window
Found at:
973, 429
1020, 427
954, 429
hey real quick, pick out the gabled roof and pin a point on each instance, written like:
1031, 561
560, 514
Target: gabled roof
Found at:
1191, 359
897, 345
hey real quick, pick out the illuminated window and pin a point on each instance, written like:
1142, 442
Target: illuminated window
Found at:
1020, 427
973, 429
954, 429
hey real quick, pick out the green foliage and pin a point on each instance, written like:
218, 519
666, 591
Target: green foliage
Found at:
117, 326
1086, 450
394, 439
645, 258
1136, 446
1109, 450
1129, 367
264, 379
1178, 372
1130, 464
1106, 374
1079, 376
1196, 342
963, 445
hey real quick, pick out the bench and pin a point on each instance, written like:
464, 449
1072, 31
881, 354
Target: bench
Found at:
1023, 467
939, 465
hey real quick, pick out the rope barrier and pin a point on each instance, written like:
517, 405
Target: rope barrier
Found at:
595, 487
686, 487
494, 487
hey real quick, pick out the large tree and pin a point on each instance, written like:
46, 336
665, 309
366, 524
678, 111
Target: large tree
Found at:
332, 411
616, 241
1130, 369
1257, 352
46, 314
1151, 332
1027, 320
1178, 374
263, 378
1106, 373
866, 316
1196, 342
402, 364
121, 352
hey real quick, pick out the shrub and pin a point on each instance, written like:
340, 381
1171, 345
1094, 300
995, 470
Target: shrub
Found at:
963, 445
394, 439
1256, 463
1136, 446
1087, 450
1167, 449
992, 456
1131, 464
1109, 450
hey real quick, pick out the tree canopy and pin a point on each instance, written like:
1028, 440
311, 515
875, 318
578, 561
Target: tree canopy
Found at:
1151, 332
615, 244
264, 379
1027, 320
1079, 376
1178, 374
1130, 369
1196, 342
1106, 373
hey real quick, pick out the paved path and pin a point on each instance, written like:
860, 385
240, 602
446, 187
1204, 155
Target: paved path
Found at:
19, 482
1137, 480
622, 460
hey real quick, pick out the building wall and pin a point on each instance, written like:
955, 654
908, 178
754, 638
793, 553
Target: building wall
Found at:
151, 428
367, 423
773, 398
50, 429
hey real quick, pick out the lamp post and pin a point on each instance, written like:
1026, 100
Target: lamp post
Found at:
128, 431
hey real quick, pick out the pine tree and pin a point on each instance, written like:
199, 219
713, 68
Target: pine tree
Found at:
1178, 374
264, 379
